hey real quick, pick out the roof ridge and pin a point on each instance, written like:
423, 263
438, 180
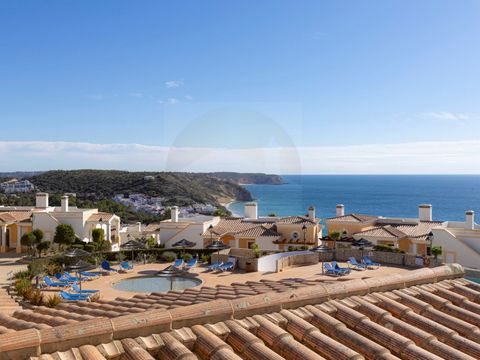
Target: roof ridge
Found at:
93, 332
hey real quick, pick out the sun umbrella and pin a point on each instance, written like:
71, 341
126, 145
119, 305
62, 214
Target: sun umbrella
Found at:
74, 252
362, 244
132, 245
78, 267
169, 272
218, 245
321, 249
184, 243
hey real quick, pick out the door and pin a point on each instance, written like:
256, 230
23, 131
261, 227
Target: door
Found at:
7, 238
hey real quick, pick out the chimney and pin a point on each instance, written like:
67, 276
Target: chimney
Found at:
251, 211
174, 213
311, 213
340, 210
139, 224
470, 220
425, 212
65, 203
41, 200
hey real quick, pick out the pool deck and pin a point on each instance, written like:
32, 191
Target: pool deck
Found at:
212, 279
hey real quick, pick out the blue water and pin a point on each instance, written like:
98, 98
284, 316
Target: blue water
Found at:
385, 195
150, 284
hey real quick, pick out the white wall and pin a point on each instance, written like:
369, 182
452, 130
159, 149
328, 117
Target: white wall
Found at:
269, 263
466, 250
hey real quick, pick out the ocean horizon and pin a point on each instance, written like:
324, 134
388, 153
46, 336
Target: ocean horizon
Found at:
383, 195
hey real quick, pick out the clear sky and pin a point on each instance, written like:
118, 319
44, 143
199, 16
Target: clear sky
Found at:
281, 86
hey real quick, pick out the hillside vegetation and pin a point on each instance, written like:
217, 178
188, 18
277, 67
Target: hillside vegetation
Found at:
177, 188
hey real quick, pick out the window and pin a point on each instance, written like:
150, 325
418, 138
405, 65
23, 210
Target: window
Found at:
250, 243
295, 235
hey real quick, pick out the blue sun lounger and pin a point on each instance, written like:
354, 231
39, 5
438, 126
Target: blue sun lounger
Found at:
50, 283
330, 270
369, 263
125, 265
356, 265
73, 297
178, 263
191, 263
106, 266
76, 289
341, 270
228, 266
215, 266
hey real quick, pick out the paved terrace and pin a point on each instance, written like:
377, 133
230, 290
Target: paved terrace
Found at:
421, 314
219, 279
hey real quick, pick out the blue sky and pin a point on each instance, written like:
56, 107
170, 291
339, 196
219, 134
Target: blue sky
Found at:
237, 76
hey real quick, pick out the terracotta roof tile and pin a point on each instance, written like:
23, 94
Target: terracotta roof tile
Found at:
100, 216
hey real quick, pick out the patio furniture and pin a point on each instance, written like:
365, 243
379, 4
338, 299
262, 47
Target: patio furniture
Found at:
228, 266
215, 265
106, 266
64, 278
90, 274
178, 263
330, 270
73, 297
369, 263
341, 270
76, 289
125, 266
356, 265
50, 283
191, 263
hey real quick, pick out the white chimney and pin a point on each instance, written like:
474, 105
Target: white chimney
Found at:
340, 210
174, 213
65, 203
251, 211
41, 200
425, 212
311, 213
139, 224
470, 220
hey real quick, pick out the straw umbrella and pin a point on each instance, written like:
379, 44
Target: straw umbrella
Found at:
184, 243
322, 249
362, 244
78, 267
218, 245
132, 245
169, 272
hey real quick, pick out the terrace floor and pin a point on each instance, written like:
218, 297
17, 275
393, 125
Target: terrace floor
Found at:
212, 279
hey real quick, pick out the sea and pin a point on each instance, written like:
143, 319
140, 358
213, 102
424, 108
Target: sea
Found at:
383, 195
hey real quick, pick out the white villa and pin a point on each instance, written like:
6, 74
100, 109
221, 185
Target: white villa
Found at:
16, 186
18, 220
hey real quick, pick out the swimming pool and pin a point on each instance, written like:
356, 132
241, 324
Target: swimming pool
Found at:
474, 279
148, 284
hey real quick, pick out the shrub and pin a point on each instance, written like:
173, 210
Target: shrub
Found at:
64, 235
205, 258
52, 268
23, 286
53, 301
187, 257
98, 235
35, 297
77, 246
387, 248
89, 247
169, 256
256, 250
25, 274
152, 258
37, 267
42, 247
436, 251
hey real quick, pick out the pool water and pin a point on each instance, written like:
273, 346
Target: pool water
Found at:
474, 279
148, 284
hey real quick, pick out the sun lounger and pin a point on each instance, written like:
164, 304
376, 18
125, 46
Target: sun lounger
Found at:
341, 270
90, 274
76, 289
215, 266
106, 266
330, 270
355, 264
73, 297
369, 263
50, 283
71, 278
228, 266
125, 265
178, 263
191, 263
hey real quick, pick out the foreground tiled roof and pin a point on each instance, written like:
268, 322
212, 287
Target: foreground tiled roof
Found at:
423, 314
358, 218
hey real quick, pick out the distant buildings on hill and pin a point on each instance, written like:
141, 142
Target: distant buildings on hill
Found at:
17, 186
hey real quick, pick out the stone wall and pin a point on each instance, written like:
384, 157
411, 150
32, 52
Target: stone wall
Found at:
296, 260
